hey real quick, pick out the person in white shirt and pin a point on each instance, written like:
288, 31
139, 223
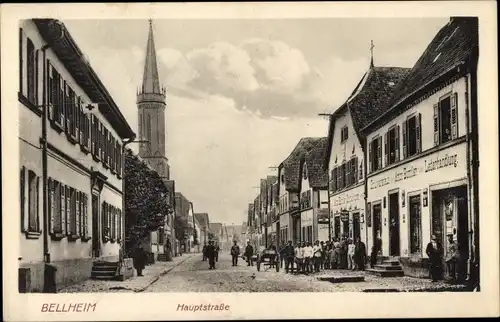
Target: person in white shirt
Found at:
317, 255
350, 256
299, 257
308, 254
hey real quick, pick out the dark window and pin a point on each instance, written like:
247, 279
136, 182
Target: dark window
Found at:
33, 197
23, 197
445, 119
375, 154
391, 145
56, 96
415, 225
412, 142
344, 134
32, 71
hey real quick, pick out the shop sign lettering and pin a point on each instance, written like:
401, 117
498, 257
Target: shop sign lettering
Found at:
342, 200
441, 162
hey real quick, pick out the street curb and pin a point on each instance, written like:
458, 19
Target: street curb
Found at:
166, 271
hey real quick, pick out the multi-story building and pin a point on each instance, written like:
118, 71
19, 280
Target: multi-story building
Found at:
422, 154
197, 234
71, 160
182, 208
313, 201
289, 189
345, 155
204, 226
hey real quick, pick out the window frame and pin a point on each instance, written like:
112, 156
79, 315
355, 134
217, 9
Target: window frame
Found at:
31, 80
344, 134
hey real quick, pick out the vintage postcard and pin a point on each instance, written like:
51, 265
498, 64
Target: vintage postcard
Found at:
249, 160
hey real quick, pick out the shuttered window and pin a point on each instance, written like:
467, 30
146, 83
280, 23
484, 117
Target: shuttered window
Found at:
33, 198
32, 71
445, 119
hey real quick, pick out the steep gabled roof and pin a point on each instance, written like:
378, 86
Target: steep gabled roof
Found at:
369, 98
202, 218
317, 173
216, 228
292, 163
455, 45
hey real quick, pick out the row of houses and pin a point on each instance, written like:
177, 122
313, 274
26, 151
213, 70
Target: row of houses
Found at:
399, 164
73, 142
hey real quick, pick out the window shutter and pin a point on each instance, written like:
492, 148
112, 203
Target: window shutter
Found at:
77, 215
379, 152
87, 131
23, 197
51, 206
99, 139
86, 216
418, 132
92, 133
63, 209
37, 198
396, 140
370, 156
354, 169
62, 96
334, 176
436, 124
104, 214
69, 211
115, 222
37, 70
386, 151
453, 115
119, 225
405, 139
109, 218
50, 89
348, 173
21, 61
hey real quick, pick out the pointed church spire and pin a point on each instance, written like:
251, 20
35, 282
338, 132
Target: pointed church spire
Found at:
150, 79
371, 50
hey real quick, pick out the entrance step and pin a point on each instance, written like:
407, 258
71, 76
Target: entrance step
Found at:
342, 279
104, 270
388, 267
386, 273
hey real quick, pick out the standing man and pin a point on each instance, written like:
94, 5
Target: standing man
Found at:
204, 252
299, 258
317, 255
140, 258
287, 253
435, 252
249, 253
451, 258
211, 254
235, 252
217, 250
308, 257
360, 254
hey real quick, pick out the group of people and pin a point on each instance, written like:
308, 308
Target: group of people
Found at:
341, 253
452, 260
211, 252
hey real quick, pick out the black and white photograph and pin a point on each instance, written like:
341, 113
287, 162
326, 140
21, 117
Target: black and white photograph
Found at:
257, 155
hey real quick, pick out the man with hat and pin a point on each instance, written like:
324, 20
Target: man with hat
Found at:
435, 252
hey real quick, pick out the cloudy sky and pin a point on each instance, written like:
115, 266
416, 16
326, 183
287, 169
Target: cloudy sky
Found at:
241, 93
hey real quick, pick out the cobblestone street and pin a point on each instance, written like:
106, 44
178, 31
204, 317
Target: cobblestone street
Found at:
194, 276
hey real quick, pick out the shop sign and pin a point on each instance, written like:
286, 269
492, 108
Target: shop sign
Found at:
323, 215
344, 199
433, 163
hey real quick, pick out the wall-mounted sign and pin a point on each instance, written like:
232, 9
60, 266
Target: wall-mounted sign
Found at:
345, 199
425, 197
344, 216
323, 216
441, 162
403, 198
369, 214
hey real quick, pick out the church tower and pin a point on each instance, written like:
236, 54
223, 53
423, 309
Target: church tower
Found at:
151, 108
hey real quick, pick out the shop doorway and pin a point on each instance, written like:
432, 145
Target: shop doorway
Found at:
296, 230
377, 226
394, 247
415, 225
356, 231
336, 227
96, 243
345, 227
450, 217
